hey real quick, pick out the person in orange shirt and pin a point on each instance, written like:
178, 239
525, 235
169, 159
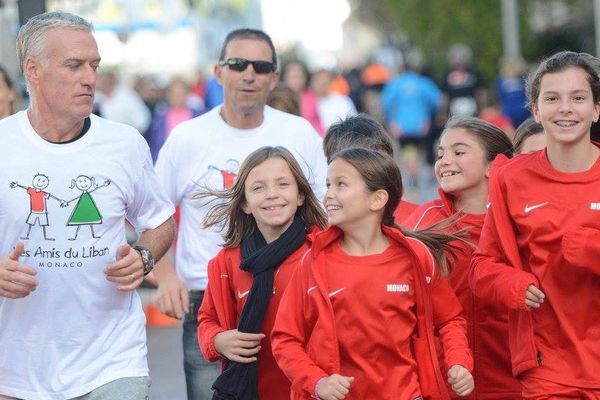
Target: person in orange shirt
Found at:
464, 156
358, 318
365, 132
538, 252
268, 212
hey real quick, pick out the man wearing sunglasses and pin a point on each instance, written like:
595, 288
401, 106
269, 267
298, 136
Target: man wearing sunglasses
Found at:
207, 151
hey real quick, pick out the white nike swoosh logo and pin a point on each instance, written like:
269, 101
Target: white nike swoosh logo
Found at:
241, 295
310, 289
533, 207
335, 292
224, 276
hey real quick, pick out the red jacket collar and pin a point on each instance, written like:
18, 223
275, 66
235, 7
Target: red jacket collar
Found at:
324, 238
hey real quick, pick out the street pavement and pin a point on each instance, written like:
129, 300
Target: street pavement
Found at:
165, 360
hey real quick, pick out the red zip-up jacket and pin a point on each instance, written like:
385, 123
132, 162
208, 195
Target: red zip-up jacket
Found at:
304, 337
224, 299
487, 323
531, 236
404, 209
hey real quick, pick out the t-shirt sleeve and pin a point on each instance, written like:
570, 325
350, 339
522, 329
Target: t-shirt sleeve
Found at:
149, 206
167, 172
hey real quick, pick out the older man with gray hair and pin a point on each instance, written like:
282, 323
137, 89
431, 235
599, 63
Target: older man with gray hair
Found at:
71, 323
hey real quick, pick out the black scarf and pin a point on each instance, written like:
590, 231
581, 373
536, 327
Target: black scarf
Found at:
239, 381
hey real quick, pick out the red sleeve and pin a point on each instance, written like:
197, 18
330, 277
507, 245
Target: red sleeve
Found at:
452, 327
293, 326
425, 215
403, 210
581, 247
493, 277
217, 312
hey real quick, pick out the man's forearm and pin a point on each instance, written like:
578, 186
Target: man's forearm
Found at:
159, 239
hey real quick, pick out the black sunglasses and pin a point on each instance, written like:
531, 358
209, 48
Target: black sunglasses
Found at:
240, 64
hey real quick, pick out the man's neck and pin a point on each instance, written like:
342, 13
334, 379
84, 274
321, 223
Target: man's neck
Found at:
52, 129
243, 120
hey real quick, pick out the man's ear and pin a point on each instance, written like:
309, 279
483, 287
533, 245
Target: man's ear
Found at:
31, 71
217, 71
275, 80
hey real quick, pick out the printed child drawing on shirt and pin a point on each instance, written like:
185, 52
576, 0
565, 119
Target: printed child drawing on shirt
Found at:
229, 173
37, 203
86, 211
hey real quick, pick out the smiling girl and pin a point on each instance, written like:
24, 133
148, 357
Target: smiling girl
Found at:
538, 251
464, 157
358, 317
268, 211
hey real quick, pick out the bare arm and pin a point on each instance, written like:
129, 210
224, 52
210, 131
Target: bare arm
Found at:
128, 269
159, 239
172, 297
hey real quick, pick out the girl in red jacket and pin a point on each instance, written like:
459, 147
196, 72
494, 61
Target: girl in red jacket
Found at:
464, 156
268, 211
358, 317
538, 252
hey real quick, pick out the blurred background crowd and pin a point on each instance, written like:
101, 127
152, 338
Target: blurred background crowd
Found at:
410, 64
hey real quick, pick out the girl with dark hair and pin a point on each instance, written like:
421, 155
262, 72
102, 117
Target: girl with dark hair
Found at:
365, 132
538, 253
269, 211
358, 318
464, 156
529, 137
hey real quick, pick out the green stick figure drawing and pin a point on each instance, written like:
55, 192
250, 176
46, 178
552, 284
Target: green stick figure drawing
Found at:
86, 211
38, 210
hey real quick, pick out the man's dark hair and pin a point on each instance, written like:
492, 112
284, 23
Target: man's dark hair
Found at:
247, 33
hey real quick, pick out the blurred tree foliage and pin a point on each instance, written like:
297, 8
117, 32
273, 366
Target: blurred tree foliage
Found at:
433, 26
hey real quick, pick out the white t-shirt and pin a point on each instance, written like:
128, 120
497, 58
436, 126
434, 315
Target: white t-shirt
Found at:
76, 331
333, 108
205, 151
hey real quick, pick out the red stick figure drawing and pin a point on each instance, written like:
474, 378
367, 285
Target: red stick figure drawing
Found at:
38, 211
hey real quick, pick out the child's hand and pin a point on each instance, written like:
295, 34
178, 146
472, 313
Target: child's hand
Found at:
334, 387
534, 297
461, 380
238, 346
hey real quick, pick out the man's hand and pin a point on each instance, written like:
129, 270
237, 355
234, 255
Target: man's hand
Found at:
461, 380
16, 279
127, 270
172, 297
534, 297
238, 346
334, 387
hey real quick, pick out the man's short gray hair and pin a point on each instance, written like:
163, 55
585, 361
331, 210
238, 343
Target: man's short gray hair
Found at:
30, 37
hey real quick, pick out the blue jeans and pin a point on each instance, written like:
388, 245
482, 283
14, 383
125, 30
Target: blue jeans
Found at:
199, 373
